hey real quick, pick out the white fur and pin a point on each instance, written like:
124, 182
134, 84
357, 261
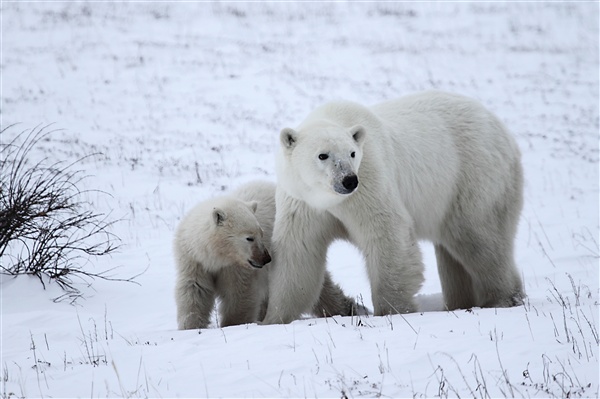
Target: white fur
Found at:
432, 166
218, 246
213, 256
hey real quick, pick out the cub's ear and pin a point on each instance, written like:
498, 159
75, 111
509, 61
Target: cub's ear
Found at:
288, 138
219, 216
358, 133
252, 205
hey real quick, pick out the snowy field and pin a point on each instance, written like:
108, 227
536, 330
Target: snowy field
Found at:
186, 100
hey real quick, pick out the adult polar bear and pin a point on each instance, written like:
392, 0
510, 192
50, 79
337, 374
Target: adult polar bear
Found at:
432, 166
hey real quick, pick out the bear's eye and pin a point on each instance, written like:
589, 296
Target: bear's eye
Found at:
323, 157
352, 154
250, 239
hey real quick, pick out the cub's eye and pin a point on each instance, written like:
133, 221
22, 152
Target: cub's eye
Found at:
250, 239
352, 154
323, 157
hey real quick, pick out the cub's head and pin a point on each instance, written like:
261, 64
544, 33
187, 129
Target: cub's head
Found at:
237, 237
319, 162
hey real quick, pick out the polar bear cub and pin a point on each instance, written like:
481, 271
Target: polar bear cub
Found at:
433, 166
222, 250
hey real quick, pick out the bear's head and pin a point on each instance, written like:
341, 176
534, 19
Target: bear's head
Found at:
318, 163
237, 237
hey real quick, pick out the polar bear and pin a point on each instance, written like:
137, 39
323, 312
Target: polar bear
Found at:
220, 247
433, 166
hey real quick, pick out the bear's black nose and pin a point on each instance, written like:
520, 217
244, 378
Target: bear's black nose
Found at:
350, 182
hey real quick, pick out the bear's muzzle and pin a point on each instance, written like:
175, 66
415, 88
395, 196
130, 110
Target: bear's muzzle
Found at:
347, 185
259, 259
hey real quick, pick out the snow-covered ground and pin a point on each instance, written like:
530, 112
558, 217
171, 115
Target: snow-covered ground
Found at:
185, 100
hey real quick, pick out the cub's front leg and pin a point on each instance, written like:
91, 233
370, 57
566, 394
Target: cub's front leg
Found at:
195, 299
241, 295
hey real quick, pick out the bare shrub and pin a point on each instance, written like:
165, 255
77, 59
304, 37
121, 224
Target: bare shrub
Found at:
47, 229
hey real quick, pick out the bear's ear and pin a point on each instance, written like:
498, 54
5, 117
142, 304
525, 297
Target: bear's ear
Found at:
288, 138
219, 216
252, 205
358, 134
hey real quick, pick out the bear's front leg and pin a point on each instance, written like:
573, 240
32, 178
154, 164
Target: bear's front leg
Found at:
195, 300
240, 295
301, 237
393, 258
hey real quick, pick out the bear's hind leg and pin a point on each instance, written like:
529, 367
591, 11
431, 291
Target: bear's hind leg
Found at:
488, 258
457, 285
332, 301
480, 231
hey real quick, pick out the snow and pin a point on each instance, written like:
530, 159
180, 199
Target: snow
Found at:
185, 100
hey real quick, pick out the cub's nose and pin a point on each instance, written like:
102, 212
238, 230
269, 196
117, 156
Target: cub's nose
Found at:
258, 260
350, 182
267, 257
